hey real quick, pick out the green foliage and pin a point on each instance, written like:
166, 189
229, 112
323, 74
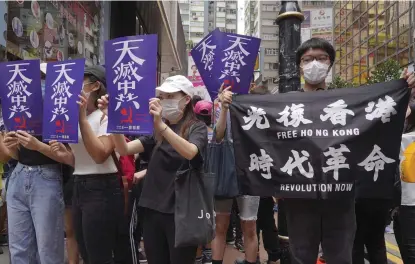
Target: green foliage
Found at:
385, 72
338, 82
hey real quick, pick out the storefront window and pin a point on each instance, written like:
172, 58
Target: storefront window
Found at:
54, 30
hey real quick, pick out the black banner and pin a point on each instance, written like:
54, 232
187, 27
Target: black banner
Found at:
320, 145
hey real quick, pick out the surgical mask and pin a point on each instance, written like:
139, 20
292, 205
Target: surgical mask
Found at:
315, 72
171, 109
87, 94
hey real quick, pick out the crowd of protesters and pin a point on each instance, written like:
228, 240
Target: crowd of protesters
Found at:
113, 198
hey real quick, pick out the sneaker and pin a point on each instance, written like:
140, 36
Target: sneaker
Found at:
239, 245
142, 256
207, 257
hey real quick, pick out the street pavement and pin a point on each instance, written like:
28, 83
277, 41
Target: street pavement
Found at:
231, 253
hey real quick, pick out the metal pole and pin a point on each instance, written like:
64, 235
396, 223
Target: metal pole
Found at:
289, 21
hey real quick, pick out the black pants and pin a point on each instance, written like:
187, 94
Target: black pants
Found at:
404, 227
329, 222
371, 219
266, 224
159, 235
96, 207
135, 219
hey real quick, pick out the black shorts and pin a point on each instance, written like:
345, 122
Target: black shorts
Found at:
68, 191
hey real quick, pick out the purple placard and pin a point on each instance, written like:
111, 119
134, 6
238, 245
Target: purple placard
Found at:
131, 71
234, 64
64, 81
21, 96
204, 54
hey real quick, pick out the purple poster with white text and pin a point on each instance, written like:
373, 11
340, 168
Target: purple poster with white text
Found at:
21, 96
64, 81
235, 61
204, 54
131, 72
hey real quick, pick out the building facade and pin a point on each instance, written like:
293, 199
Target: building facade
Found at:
260, 22
64, 30
368, 33
201, 17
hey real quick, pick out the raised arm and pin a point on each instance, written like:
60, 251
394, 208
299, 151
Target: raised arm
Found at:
226, 99
127, 148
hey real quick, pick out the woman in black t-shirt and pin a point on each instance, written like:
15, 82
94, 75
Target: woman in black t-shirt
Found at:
179, 140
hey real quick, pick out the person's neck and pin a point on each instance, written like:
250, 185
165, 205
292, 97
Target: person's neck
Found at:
313, 87
90, 111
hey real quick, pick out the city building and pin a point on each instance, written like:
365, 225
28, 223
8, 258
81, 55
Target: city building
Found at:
201, 17
260, 22
368, 33
64, 30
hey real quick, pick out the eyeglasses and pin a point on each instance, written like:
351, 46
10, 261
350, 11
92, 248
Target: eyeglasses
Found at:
320, 58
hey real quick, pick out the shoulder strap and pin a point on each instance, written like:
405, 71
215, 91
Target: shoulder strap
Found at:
117, 162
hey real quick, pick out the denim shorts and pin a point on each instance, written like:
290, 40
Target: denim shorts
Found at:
248, 207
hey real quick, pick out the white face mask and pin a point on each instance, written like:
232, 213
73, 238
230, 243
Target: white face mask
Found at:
171, 109
315, 72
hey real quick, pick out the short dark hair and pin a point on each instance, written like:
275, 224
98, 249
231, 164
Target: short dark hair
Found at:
98, 93
195, 99
316, 43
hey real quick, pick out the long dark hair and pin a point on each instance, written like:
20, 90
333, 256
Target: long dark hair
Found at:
188, 119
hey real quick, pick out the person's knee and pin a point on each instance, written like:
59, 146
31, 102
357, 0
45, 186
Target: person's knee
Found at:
222, 223
249, 228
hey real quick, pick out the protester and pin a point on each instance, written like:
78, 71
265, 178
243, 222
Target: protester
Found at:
248, 205
203, 111
331, 222
179, 139
266, 220
404, 215
97, 203
34, 200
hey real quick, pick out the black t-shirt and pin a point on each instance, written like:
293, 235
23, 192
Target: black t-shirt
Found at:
158, 189
34, 158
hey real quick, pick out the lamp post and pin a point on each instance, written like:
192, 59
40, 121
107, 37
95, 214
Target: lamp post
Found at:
289, 21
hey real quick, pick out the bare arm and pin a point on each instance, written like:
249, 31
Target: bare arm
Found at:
99, 148
226, 99
220, 127
126, 148
5, 154
186, 149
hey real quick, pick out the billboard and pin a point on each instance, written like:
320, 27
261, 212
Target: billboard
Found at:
321, 17
194, 76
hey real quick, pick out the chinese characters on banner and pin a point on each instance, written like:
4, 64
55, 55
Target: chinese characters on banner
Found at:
226, 58
131, 69
21, 96
204, 54
320, 144
64, 82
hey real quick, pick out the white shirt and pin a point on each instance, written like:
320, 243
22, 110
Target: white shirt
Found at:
84, 164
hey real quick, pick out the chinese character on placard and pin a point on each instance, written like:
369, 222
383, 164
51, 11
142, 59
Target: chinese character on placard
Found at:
208, 53
262, 163
297, 162
376, 161
18, 94
336, 161
256, 116
234, 56
337, 113
61, 93
127, 77
383, 109
296, 113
